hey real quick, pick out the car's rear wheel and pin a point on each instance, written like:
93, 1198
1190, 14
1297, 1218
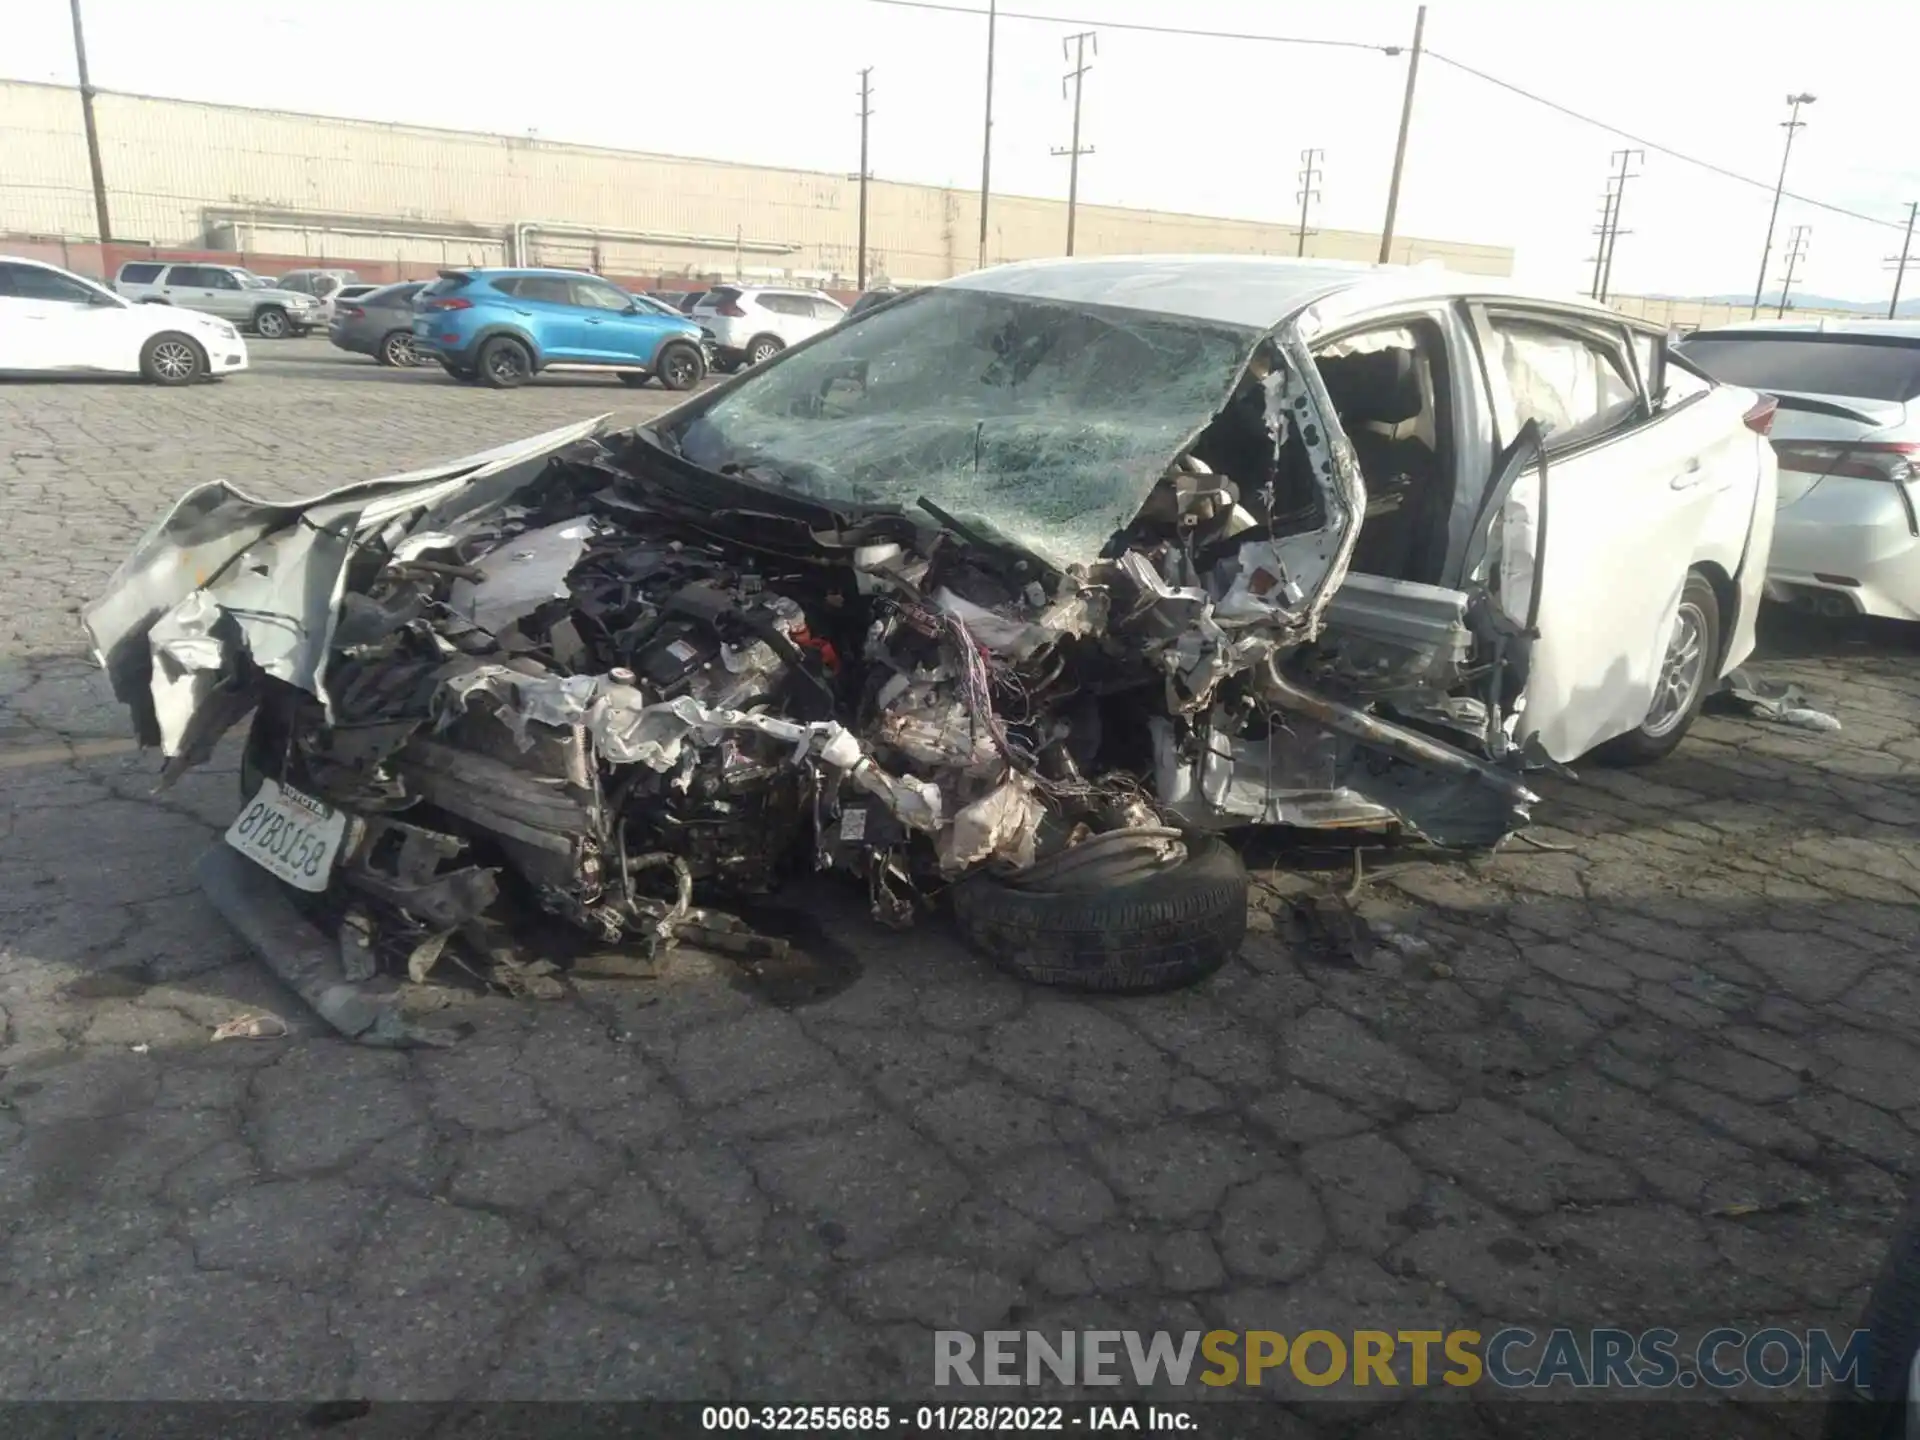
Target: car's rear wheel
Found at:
679, 367
505, 363
172, 359
1681, 688
397, 349
763, 348
271, 323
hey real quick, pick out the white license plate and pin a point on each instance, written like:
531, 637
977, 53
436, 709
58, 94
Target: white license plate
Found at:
289, 834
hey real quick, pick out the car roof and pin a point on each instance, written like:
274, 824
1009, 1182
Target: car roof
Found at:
1816, 325
1256, 291
524, 270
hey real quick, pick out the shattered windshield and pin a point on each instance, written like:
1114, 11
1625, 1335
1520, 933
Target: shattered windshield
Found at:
1051, 422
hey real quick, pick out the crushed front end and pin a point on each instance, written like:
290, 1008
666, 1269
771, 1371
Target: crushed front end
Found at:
605, 678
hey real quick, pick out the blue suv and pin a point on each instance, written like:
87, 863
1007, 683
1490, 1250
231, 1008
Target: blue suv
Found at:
502, 327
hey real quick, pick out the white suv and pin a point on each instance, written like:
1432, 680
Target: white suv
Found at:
751, 324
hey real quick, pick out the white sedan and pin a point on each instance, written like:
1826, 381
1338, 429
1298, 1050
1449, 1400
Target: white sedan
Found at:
1847, 541
53, 322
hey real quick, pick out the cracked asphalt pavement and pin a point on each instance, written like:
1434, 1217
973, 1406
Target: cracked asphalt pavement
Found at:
1657, 1069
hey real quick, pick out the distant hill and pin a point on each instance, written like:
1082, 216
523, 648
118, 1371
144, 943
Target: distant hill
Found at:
1909, 309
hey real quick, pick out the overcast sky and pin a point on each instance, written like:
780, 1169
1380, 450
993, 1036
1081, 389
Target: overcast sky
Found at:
1204, 125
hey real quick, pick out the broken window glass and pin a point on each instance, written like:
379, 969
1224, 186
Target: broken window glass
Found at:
1052, 422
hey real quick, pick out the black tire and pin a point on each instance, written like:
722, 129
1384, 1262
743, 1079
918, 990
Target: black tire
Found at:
1157, 933
505, 363
1662, 732
459, 372
1875, 1409
763, 348
270, 323
678, 367
171, 358
396, 348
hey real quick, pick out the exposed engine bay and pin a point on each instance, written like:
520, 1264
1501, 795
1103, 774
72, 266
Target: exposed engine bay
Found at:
625, 685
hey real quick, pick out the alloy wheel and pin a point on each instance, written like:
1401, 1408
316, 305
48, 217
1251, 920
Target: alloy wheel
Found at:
174, 359
1681, 672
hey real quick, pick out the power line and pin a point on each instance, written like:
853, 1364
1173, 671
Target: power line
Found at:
1604, 230
1898, 263
1378, 49
1667, 150
1146, 29
1074, 48
1309, 192
1796, 252
1614, 232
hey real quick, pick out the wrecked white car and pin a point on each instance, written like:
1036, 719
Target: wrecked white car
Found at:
1014, 593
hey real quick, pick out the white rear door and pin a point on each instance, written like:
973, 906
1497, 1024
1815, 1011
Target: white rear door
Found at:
1627, 500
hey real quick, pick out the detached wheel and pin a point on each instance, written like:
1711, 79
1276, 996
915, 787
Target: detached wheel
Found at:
763, 348
170, 359
1118, 934
271, 323
1686, 676
397, 349
678, 367
504, 364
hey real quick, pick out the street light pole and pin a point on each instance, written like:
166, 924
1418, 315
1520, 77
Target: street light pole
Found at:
986, 142
1400, 145
1792, 123
866, 113
93, 130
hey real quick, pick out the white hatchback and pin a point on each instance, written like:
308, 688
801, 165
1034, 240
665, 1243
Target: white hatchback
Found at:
53, 322
752, 324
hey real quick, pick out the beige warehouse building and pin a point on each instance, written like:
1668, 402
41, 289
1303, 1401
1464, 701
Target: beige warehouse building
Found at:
215, 176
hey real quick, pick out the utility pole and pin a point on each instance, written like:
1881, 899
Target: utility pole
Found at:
1614, 232
1400, 145
93, 130
1796, 252
1792, 123
986, 142
866, 111
1074, 151
1308, 192
1603, 230
1900, 265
